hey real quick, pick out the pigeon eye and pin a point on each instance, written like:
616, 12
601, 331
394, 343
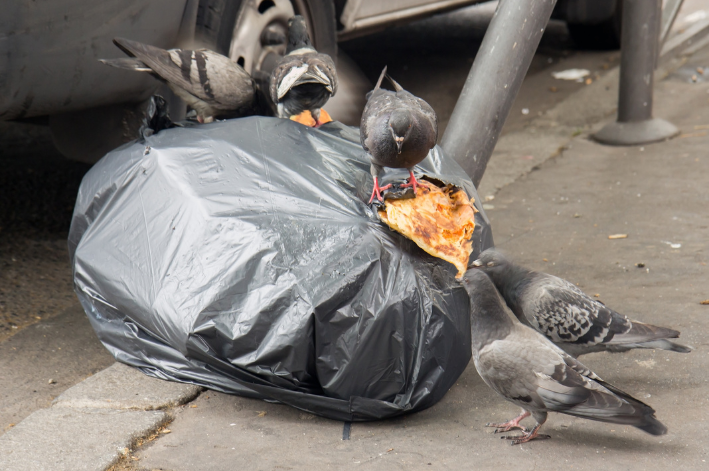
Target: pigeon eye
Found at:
490, 264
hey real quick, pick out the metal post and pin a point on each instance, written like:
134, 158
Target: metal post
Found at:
494, 81
639, 44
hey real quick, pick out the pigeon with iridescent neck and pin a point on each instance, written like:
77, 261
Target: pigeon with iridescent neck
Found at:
397, 130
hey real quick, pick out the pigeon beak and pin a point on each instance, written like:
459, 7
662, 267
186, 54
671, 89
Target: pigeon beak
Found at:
399, 142
477, 263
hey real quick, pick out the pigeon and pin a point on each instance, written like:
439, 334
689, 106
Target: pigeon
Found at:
397, 130
567, 316
525, 368
304, 79
212, 84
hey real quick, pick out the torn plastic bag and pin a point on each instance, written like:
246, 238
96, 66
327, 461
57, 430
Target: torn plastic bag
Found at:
241, 256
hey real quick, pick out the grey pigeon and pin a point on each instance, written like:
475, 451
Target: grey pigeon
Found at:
565, 315
212, 84
304, 79
528, 370
397, 130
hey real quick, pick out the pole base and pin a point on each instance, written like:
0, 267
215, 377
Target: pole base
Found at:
635, 133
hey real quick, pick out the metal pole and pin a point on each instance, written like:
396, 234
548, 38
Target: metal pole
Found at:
639, 44
494, 81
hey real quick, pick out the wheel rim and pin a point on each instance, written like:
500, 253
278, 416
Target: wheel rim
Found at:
250, 47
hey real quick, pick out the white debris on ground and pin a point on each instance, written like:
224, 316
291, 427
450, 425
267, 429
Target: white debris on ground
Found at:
571, 74
696, 16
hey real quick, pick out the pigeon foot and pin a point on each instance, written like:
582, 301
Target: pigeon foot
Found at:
526, 436
412, 182
377, 190
511, 424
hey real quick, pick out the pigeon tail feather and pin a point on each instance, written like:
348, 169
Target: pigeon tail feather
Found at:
648, 336
644, 416
650, 332
659, 344
397, 87
128, 63
378, 85
652, 426
128, 46
381, 78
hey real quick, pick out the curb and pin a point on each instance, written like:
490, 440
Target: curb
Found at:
93, 424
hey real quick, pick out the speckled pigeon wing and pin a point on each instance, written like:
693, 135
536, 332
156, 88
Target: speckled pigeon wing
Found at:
209, 76
563, 313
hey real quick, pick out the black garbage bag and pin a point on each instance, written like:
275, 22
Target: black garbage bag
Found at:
242, 256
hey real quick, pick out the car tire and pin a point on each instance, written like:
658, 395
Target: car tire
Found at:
216, 20
603, 36
253, 33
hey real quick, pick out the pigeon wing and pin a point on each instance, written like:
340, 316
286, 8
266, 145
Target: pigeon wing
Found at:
379, 105
322, 66
284, 76
430, 114
209, 76
422, 109
231, 86
128, 63
563, 313
575, 390
296, 69
509, 366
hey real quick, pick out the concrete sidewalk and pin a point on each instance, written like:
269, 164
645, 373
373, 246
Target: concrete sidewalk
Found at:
557, 219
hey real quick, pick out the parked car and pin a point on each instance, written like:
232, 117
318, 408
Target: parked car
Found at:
49, 51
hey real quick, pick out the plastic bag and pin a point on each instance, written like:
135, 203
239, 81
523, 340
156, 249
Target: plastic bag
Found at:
242, 256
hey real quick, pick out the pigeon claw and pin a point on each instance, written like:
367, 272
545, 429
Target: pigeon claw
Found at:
517, 440
511, 424
377, 190
526, 436
412, 182
508, 428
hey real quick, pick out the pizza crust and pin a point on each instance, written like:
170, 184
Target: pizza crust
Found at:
439, 220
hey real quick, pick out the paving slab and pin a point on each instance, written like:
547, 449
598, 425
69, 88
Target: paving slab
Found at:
61, 439
124, 387
43, 360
